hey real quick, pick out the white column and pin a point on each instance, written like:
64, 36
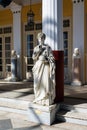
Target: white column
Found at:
17, 38
78, 30
16, 9
52, 26
52, 20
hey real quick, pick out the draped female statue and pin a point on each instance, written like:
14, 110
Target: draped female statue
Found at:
43, 72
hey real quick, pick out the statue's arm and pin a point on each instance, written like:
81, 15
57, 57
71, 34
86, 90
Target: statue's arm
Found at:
50, 56
36, 52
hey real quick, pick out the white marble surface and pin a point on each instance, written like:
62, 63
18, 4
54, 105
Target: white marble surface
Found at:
43, 72
42, 114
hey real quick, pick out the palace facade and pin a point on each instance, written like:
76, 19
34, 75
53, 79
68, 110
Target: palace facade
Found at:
16, 35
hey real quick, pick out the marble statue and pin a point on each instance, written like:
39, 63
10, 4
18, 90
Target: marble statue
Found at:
76, 53
13, 76
43, 72
13, 54
76, 68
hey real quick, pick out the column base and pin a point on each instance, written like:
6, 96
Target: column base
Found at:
42, 114
14, 79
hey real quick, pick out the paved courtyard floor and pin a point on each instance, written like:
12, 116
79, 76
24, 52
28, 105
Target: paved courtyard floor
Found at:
8, 121
24, 91
79, 92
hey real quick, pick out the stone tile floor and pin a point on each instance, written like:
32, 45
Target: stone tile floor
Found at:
13, 123
24, 91
75, 91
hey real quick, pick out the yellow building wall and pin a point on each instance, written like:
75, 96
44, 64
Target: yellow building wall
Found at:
86, 6
6, 17
67, 8
37, 8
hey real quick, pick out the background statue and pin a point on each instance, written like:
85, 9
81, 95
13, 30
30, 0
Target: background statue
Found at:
13, 54
76, 53
76, 68
44, 72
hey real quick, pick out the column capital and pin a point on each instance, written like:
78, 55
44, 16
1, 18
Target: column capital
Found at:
77, 1
15, 8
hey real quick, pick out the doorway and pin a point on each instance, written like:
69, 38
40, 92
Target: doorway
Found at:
30, 40
5, 55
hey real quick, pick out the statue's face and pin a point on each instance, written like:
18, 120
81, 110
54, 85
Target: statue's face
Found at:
76, 51
41, 40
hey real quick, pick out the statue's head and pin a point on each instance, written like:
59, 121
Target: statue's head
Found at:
76, 51
41, 36
13, 53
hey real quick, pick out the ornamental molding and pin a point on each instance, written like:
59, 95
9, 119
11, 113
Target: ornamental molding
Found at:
15, 8
77, 1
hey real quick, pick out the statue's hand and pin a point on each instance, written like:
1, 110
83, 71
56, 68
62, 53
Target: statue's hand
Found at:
40, 47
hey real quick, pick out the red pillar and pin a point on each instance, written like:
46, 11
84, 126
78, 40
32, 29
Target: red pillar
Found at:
59, 60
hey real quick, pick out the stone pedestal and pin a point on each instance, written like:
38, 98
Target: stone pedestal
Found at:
76, 71
42, 114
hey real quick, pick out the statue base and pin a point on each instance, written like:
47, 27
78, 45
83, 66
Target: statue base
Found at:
76, 83
42, 114
10, 79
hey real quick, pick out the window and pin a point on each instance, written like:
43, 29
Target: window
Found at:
0, 53
38, 26
8, 52
29, 28
29, 51
65, 38
67, 49
66, 23
7, 30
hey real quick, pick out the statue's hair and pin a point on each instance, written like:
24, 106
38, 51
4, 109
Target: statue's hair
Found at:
41, 35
